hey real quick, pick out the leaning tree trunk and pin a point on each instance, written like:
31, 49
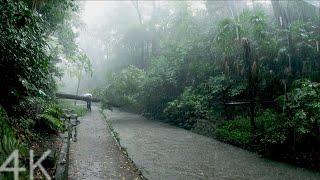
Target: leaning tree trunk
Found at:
76, 97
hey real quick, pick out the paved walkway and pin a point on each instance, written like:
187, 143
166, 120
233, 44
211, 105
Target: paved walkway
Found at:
165, 152
95, 155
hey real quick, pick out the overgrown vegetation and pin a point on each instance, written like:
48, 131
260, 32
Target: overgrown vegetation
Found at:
250, 79
244, 72
30, 48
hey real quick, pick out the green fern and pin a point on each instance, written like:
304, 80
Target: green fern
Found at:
52, 122
8, 141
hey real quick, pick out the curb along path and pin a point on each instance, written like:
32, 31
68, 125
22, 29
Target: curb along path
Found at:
96, 155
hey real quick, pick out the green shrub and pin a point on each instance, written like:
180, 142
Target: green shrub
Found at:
301, 113
187, 109
161, 86
271, 129
237, 132
49, 119
293, 133
303, 107
124, 88
205, 127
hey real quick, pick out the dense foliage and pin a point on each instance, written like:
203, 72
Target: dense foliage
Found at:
28, 58
199, 63
126, 86
246, 75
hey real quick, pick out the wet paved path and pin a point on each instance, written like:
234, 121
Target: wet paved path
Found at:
165, 152
95, 155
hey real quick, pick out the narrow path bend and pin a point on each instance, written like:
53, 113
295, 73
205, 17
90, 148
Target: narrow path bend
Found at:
162, 151
96, 155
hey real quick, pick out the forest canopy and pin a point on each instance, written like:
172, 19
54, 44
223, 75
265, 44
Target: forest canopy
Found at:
244, 72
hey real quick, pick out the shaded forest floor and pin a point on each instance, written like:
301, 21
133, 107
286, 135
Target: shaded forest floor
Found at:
52, 142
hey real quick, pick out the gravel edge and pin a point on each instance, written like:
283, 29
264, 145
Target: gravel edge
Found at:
121, 148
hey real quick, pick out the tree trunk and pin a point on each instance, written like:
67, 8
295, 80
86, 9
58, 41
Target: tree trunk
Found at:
283, 21
251, 83
77, 91
136, 6
76, 97
279, 13
142, 58
78, 85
